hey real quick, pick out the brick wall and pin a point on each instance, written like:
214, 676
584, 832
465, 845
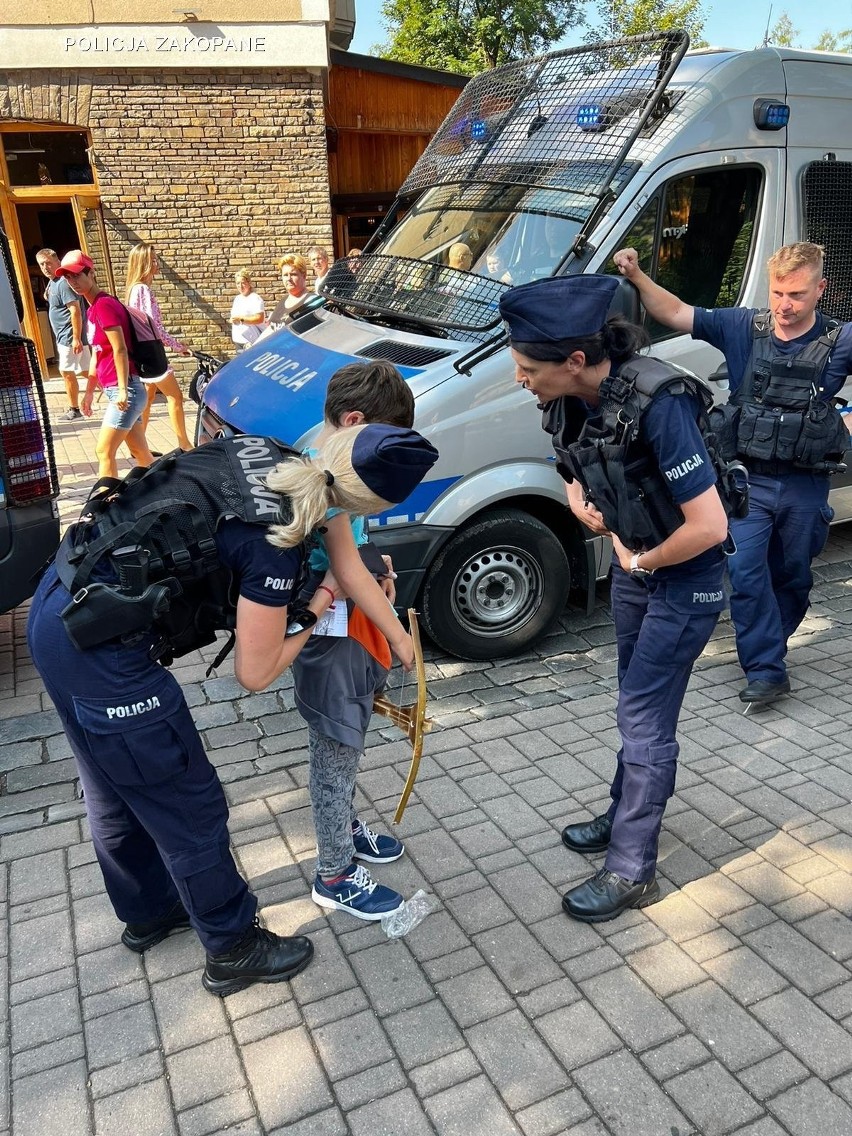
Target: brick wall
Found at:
220, 170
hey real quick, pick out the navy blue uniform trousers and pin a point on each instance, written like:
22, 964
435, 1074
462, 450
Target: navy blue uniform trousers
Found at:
771, 579
661, 628
155, 804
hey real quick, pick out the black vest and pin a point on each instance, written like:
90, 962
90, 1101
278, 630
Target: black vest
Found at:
615, 464
781, 419
143, 555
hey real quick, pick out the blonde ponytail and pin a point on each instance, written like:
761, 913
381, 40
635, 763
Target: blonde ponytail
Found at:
305, 482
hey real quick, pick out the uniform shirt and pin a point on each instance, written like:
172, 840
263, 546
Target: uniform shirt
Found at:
264, 573
669, 428
59, 294
730, 330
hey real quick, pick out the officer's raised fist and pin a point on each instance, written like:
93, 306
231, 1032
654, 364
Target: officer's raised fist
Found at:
627, 262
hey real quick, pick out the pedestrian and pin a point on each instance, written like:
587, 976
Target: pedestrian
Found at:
111, 367
64, 310
142, 267
626, 434
294, 276
156, 565
248, 312
338, 674
319, 261
785, 364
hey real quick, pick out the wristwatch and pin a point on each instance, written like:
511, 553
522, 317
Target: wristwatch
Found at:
635, 571
301, 619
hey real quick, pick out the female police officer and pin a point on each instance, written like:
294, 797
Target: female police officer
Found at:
196, 527
626, 433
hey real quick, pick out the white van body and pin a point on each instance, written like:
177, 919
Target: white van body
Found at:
553, 164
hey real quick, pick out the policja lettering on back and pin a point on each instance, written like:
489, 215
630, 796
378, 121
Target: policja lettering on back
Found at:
619, 423
157, 530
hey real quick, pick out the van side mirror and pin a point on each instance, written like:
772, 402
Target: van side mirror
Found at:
625, 302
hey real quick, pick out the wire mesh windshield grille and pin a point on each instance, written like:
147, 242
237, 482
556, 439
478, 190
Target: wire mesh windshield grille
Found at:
827, 193
527, 123
405, 354
427, 293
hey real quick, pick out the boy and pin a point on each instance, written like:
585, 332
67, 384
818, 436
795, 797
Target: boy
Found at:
337, 675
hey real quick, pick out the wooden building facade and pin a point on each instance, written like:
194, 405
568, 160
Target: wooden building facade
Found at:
380, 115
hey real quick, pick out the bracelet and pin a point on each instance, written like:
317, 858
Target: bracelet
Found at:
325, 588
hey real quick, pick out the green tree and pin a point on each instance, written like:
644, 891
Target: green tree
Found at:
835, 41
470, 36
783, 34
620, 18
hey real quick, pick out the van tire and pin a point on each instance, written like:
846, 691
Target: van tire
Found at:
496, 586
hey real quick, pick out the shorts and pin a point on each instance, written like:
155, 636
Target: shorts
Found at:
136, 399
157, 378
71, 363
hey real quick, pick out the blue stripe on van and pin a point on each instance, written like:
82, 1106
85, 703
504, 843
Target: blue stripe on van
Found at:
278, 386
416, 504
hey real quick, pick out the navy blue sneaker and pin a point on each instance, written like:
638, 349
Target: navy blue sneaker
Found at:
372, 847
358, 893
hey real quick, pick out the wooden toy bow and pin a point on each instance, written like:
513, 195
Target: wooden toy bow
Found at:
410, 719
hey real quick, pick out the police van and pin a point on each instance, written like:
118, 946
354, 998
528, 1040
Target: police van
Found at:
704, 161
29, 517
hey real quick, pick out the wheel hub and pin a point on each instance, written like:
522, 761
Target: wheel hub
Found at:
497, 591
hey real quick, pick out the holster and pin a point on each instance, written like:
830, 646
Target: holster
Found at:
99, 613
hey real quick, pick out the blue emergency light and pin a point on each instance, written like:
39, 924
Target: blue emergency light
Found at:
770, 115
478, 130
591, 116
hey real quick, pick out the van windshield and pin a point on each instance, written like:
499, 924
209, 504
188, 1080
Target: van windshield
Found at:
500, 232
459, 247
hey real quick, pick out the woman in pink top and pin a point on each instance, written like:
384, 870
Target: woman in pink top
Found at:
111, 367
142, 267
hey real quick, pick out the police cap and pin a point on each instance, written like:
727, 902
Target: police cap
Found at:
560, 308
392, 461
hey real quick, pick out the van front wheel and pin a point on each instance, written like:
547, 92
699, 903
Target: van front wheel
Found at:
496, 586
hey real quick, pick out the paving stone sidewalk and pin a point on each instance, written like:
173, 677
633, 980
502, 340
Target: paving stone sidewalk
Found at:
725, 1008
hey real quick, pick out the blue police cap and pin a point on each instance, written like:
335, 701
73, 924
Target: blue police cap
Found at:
562, 307
392, 461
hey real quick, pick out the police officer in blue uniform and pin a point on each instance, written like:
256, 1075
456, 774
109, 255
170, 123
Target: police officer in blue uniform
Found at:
626, 433
154, 567
785, 365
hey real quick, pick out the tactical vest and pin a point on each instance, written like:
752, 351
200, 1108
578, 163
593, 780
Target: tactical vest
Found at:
617, 467
143, 557
780, 419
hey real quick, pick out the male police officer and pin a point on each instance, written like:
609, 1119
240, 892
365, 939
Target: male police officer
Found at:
626, 434
784, 368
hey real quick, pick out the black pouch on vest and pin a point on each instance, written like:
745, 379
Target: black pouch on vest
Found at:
758, 427
724, 422
664, 514
791, 383
823, 438
99, 612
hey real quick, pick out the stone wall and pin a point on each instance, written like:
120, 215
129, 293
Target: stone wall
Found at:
220, 170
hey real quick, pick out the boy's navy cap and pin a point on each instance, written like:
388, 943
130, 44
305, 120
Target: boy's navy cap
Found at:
563, 307
392, 461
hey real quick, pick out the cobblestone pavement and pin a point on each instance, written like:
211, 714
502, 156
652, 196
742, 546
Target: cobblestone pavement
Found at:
725, 1008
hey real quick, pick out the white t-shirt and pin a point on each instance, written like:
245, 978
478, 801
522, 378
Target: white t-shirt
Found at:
250, 305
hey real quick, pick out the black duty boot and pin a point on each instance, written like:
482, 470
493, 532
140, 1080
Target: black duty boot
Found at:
589, 836
606, 895
762, 692
257, 956
140, 936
